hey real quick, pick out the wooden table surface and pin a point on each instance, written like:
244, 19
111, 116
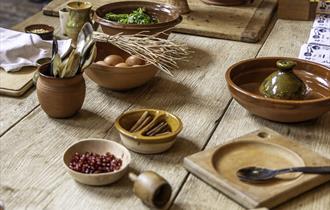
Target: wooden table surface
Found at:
31, 145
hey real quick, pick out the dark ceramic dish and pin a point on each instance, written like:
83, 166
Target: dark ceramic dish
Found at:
245, 77
167, 15
46, 35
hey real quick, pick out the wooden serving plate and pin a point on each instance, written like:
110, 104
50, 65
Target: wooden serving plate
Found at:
263, 148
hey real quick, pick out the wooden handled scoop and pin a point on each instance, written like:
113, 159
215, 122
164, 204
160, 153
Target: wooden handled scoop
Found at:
151, 188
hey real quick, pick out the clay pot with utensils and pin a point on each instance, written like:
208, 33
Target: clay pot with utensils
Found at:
60, 97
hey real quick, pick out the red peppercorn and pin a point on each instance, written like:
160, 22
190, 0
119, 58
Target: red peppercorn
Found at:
90, 162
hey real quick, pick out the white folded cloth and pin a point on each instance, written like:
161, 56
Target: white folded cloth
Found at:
19, 49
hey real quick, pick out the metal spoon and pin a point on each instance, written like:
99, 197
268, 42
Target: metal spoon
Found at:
89, 60
253, 174
54, 52
85, 41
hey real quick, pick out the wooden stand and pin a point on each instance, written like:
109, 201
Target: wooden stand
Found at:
296, 9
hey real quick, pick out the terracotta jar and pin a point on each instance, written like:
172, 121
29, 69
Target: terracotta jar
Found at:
60, 98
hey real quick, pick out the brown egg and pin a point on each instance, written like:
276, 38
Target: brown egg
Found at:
134, 60
102, 63
125, 65
113, 60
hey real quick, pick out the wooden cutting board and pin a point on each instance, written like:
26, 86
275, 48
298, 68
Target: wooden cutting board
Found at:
245, 23
16, 83
263, 148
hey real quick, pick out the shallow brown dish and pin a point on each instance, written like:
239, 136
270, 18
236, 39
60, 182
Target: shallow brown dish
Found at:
46, 35
167, 15
100, 146
245, 77
118, 78
137, 141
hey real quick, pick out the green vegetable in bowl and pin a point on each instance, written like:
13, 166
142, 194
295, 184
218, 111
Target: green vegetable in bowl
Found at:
138, 16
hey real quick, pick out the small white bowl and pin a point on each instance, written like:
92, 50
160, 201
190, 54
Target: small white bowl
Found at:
100, 146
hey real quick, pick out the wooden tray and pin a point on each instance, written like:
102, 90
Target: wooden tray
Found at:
264, 148
245, 23
16, 83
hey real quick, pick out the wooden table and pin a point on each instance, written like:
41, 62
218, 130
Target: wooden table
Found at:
31, 145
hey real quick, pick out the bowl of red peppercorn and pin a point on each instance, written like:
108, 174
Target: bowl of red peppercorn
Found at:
96, 161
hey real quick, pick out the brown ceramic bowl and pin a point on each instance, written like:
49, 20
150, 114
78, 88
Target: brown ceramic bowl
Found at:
138, 141
167, 15
118, 78
60, 98
226, 2
245, 77
44, 31
100, 146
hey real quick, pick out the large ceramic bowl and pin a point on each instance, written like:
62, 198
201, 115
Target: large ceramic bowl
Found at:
100, 146
167, 15
118, 78
137, 141
245, 77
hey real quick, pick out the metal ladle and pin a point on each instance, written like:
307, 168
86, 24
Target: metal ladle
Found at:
255, 174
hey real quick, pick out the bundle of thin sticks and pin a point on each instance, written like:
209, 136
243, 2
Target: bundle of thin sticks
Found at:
151, 128
162, 53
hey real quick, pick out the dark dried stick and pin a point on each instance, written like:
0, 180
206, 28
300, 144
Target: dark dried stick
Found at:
164, 133
156, 129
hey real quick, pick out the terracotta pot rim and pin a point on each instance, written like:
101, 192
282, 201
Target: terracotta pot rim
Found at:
150, 139
40, 70
176, 19
271, 100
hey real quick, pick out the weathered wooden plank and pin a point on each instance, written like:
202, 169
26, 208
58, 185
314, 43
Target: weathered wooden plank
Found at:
14, 109
32, 175
285, 40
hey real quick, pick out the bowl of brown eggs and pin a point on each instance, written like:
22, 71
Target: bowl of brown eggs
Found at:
117, 70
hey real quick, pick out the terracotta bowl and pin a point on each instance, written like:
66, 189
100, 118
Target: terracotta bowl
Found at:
245, 77
100, 146
167, 15
60, 98
47, 34
138, 141
118, 78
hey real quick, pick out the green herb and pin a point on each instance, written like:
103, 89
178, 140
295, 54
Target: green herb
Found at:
138, 16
